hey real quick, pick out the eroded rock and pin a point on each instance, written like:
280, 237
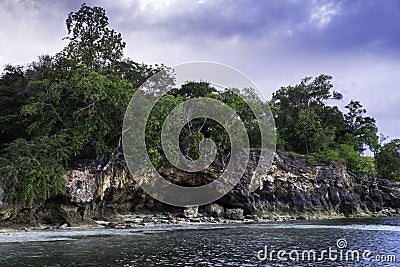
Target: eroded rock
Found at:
234, 214
291, 188
191, 212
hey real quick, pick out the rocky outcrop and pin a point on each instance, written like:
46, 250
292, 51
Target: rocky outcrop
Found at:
292, 188
295, 188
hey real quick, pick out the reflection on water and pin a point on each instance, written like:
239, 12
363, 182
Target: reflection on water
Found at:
227, 245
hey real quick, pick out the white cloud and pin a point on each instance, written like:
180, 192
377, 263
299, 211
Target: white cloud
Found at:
29, 30
321, 16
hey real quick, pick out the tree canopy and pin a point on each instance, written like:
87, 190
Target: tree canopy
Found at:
306, 124
388, 160
91, 42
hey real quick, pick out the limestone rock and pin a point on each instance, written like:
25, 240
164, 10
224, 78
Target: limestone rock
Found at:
291, 188
234, 214
214, 210
191, 212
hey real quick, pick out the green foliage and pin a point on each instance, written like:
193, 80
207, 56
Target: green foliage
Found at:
88, 109
280, 142
91, 42
310, 133
327, 155
193, 90
194, 131
154, 126
305, 124
366, 167
191, 143
31, 170
362, 129
135, 73
71, 105
13, 95
388, 160
362, 166
245, 103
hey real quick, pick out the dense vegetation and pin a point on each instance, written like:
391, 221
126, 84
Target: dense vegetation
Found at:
68, 108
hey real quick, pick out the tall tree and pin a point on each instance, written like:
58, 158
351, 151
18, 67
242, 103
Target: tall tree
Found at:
91, 42
361, 127
71, 106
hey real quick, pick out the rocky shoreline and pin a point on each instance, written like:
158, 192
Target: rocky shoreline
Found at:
134, 221
291, 189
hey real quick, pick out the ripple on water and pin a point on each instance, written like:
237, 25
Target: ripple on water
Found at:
221, 245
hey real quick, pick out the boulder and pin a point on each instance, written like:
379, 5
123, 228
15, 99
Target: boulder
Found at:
234, 214
191, 212
214, 210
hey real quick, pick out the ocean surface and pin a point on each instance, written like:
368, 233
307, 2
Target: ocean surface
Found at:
339, 242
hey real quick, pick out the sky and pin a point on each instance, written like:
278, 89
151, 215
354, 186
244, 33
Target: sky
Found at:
275, 43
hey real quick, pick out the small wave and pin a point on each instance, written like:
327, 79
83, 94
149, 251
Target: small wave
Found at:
372, 227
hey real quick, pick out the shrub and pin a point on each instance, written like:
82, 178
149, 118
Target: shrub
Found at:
326, 155
31, 170
362, 166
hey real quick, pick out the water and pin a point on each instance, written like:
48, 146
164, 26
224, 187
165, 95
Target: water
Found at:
208, 245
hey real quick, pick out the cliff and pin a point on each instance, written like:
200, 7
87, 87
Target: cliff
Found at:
292, 188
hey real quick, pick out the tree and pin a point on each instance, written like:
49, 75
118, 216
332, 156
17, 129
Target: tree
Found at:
304, 122
363, 129
196, 130
388, 160
31, 170
135, 73
362, 166
310, 133
91, 42
83, 91
71, 106
88, 108
191, 90
13, 95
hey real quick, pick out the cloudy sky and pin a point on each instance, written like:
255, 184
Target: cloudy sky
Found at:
275, 43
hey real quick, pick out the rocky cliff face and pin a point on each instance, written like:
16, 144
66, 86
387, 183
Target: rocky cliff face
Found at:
294, 187
291, 188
